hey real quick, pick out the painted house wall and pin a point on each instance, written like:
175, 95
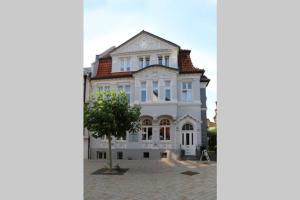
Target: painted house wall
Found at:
176, 110
144, 45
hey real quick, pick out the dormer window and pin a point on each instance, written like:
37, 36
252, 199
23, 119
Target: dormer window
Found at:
122, 64
167, 60
160, 59
125, 64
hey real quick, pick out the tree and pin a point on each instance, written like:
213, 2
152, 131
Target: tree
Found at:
110, 114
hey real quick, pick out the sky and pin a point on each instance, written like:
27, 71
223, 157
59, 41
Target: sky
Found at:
192, 24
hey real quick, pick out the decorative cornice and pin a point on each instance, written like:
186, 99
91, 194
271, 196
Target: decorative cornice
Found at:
188, 116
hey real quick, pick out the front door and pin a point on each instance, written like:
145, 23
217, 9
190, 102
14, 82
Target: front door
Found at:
188, 143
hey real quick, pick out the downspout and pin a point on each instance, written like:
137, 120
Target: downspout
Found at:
84, 99
89, 139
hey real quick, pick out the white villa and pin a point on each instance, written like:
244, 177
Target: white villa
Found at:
158, 75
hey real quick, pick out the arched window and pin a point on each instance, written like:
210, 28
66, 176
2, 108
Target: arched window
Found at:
146, 129
187, 127
164, 131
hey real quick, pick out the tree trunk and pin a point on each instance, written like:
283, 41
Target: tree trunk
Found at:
109, 153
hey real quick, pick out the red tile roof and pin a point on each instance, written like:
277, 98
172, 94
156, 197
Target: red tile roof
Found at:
185, 64
204, 79
104, 70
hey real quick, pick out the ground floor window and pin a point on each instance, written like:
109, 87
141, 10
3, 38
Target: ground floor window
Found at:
163, 155
119, 155
146, 155
164, 130
101, 155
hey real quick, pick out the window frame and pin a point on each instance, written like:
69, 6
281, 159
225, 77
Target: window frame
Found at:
141, 62
146, 152
160, 60
147, 61
147, 127
118, 155
167, 58
165, 127
167, 88
155, 87
143, 89
187, 90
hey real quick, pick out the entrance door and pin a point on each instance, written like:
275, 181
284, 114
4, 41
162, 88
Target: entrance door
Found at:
188, 143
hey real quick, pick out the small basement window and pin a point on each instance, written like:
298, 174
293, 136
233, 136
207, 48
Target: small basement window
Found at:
146, 154
163, 155
101, 155
119, 155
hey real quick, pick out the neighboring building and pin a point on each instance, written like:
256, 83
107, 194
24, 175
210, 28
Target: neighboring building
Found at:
216, 111
210, 124
158, 75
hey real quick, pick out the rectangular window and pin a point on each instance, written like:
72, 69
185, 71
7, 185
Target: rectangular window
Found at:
100, 88
149, 133
160, 60
101, 155
167, 133
119, 155
161, 133
122, 64
141, 63
127, 91
143, 92
163, 155
127, 64
146, 155
155, 90
107, 88
167, 90
147, 61
186, 91
144, 134
120, 88
167, 60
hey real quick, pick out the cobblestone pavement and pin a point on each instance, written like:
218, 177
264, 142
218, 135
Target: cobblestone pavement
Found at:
151, 180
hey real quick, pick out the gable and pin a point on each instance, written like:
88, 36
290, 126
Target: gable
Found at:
144, 41
156, 72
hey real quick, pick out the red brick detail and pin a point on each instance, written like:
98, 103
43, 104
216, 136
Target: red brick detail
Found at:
185, 63
104, 69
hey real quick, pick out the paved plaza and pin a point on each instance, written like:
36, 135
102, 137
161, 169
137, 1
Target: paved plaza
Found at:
151, 180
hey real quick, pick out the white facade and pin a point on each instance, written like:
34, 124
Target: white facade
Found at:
170, 101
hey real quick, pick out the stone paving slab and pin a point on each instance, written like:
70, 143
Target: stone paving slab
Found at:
151, 179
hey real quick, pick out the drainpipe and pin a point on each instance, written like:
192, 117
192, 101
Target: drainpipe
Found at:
84, 99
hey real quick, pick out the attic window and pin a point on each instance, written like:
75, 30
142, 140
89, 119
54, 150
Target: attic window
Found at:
141, 62
160, 60
125, 64
167, 60
147, 61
